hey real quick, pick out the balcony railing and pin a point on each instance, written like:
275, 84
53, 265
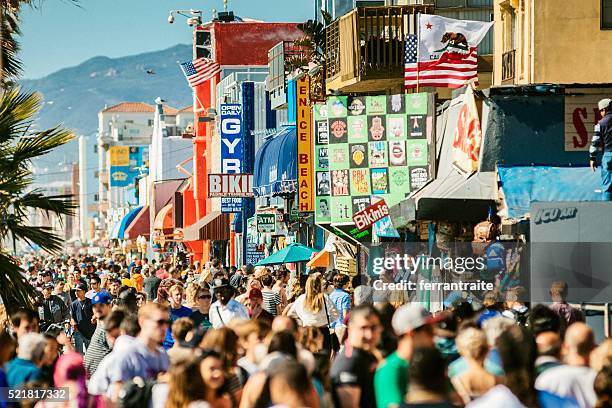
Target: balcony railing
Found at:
508, 65
368, 43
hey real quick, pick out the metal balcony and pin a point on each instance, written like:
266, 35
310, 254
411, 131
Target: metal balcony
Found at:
365, 48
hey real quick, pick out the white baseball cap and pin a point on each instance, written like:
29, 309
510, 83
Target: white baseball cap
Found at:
411, 316
604, 103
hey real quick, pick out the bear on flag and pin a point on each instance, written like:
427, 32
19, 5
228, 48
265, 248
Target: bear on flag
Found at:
444, 53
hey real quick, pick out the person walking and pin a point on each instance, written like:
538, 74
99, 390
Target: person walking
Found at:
81, 314
53, 309
352, 372
602, 140
315, 309
98, 346
225, 309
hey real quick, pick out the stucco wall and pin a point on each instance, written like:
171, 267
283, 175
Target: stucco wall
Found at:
568, 44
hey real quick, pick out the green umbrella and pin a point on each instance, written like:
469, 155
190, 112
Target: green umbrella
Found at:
291, 253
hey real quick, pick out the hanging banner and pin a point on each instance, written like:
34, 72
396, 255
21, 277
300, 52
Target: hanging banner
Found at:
468, 136
231, 148
126, 164
304, 147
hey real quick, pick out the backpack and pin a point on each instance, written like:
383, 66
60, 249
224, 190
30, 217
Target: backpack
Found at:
136, 393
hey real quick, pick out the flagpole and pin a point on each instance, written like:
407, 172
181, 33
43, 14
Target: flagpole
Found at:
418, 46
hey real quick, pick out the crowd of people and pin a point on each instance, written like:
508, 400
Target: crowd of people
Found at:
152, 334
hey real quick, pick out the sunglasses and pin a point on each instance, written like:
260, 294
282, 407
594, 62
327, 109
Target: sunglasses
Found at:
205, 297
162, 322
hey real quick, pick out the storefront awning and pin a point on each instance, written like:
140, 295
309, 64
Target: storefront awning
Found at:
522, 185
320, 260
140, 225
454, 198
163, 219
276, 164
214, 226
126, 221
451, 196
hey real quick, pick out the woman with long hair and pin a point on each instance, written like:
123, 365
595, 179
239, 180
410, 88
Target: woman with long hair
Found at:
186, 388
225, 342
212, 371
315, 309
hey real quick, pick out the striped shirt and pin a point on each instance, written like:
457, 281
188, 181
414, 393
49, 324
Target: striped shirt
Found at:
271, 300
97, 350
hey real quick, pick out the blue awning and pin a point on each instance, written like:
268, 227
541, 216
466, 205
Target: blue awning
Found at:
522, 185
276, 164
119, 230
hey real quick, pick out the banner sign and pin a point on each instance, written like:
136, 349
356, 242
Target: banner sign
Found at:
266, 223
304, 147
231, 148
126, 164
322, 176
581, 116
468, 136
369, 146
230, 185
252, 254
365, 218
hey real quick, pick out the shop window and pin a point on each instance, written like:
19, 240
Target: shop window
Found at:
606, 14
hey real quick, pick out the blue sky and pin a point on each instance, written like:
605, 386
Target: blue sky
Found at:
59, 35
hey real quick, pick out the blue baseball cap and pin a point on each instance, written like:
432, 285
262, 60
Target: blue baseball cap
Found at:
102, 298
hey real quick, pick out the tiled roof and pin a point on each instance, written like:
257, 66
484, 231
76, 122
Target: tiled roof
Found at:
186, 109
137, 107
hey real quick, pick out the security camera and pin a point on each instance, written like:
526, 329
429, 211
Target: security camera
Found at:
192, 21
170, 18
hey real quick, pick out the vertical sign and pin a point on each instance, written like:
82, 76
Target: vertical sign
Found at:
304, 147
231, 149
119, 166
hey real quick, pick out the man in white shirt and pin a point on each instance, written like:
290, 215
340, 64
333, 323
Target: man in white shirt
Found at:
575, 378
225, 309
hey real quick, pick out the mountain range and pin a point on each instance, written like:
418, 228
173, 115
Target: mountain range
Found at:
73, 96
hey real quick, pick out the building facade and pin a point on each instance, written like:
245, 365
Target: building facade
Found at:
543, 41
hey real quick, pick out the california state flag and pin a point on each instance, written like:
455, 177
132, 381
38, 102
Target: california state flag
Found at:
447, 52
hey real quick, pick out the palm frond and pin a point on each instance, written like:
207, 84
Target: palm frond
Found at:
40, 143
57, 204
17, 110
15, 290
42, 236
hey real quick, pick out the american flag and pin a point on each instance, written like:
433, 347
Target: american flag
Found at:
452, 70
199, 70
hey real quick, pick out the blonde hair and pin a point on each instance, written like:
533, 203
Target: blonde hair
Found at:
472, 343
191, 294
314, 293
147, 310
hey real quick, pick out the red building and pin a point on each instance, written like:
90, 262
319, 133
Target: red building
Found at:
233, 45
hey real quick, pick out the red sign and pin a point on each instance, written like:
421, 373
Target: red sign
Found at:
230, 185
365, 218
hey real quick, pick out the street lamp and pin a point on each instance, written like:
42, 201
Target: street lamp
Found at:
194, 17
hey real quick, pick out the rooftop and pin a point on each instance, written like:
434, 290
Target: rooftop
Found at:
137, 107
186, 109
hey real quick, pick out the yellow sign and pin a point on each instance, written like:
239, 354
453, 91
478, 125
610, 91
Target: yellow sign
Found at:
119, 156
304, 147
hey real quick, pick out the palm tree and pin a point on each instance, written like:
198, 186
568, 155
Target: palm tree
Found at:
19, 145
